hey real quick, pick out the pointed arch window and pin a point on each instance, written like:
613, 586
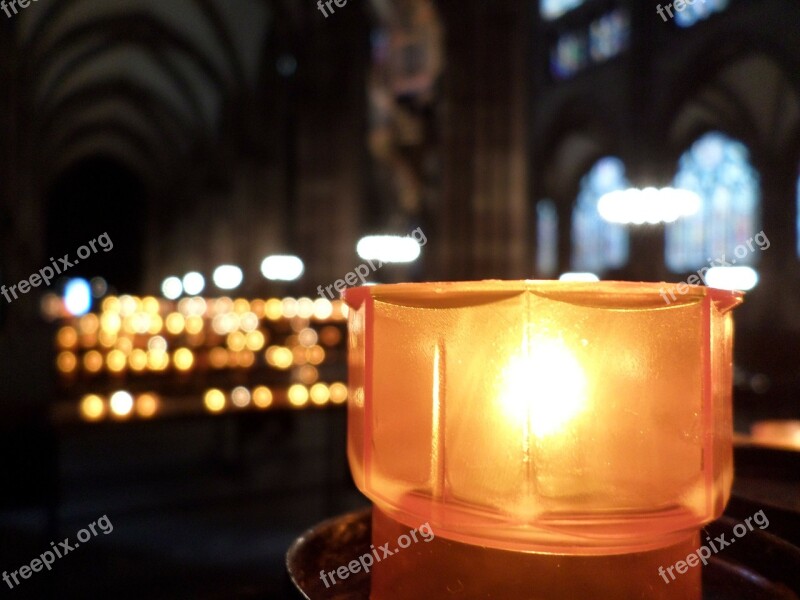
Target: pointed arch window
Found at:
546, 238
718, 169
598, 245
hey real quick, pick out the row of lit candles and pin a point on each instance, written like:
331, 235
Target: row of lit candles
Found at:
133, 310
183, 359
69, 338
123, 405
108, 328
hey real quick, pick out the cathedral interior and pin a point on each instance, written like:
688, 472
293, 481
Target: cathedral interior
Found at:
183, 183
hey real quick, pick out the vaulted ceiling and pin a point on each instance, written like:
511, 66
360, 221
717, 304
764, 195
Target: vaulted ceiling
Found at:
146, 82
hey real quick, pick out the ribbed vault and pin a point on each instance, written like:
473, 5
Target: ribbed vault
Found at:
144, 81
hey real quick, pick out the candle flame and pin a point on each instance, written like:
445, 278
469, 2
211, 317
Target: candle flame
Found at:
544, 388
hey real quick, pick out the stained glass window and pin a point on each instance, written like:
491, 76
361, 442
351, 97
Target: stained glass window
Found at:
546, 238
598, 245
569, 55
699, 10
718, 169
552, 9
605, 38
609, 35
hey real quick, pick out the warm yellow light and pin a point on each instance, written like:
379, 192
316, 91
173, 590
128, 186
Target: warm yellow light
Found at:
307, 337
255, 340
257, 306
93, 361
315, 355
289, 308
183, 359
66, 362
67, 337
245, 359
89, 323
248, 321
150, 305
128, 305
273, 309
339, 310
236, 341
214, 400
218, 357
157, 360
92, 407
299, 355
544, 389
338, 392
194, 324
305, 308
279, 357
320, 394
121, 403
157, 344
322, 309
262, 396
175, 323
224, 323
156, 323
106, 339
298, 395
111, 304
146, 405
137, 359
223, 304
240, 396
197, 306
110, 322
116, 361
125, 344
240, 305
135, 323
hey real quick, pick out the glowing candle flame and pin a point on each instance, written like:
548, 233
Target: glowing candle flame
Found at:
544, 388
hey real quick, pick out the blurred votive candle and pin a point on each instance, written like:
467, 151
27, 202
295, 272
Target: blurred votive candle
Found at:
559, 431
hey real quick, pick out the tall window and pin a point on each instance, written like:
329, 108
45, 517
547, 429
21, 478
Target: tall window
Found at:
546, 238
609, 35
569, 55
605, 38
598, 245
718, 169
552, 9
692, 13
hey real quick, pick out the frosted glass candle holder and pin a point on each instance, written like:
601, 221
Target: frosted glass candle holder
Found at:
553, 417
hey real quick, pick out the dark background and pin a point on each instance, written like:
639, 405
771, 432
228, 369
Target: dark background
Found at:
202, 132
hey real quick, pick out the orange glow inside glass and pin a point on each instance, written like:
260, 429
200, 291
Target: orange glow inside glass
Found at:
571, 418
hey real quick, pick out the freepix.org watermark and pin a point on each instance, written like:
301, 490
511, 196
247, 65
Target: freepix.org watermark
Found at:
321, 4
365, 561
363, 271
48, 273
48, 557
761, 240
12, 4
680, 6
703, 553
